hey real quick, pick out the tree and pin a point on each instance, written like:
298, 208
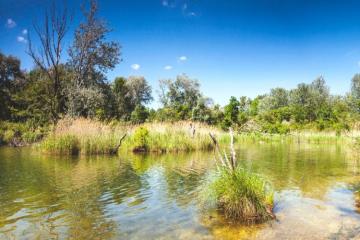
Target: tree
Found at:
354, 96
202, 111
278, 98
180, 95
130, 93
231, 112
140, 114
10, 74
138, 91
355, 86
31, 100
91, 56
51, 35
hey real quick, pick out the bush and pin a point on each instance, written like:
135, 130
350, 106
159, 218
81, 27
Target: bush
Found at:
141, 139
276, 128
9, 135
241, 195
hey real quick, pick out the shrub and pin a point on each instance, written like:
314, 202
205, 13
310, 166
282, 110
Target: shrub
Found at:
9, 135
275, 128
141, 139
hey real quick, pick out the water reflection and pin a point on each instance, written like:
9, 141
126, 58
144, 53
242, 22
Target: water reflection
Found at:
156, 196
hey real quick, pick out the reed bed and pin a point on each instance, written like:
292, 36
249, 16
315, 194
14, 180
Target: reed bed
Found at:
84, 136
171, 137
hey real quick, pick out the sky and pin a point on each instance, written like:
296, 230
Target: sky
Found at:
233, 47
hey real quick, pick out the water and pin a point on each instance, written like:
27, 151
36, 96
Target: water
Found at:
157, 196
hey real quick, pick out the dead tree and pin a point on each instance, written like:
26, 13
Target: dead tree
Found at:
47, 56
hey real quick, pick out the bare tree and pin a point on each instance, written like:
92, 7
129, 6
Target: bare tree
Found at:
47, 56
91, 56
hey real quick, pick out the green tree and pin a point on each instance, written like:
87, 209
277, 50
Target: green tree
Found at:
130, 93
140, 114
179, 96
10, 76
231, 112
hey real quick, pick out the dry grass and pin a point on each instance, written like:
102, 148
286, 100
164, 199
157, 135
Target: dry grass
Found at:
87, 137
95, 137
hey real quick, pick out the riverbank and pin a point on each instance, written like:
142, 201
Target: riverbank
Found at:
91, 137
83, 136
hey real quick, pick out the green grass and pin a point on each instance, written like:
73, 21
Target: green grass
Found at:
167, 141
21, 133
63, 145
296, 137
240, 195
93, 137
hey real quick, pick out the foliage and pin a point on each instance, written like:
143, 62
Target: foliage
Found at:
139, 115
63, 144
10, 74
238, 193
130, 96
241, 195
91, 56
21, 133
141, 139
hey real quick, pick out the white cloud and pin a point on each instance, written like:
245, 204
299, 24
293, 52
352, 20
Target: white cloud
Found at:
135, 66
165, 3
21, 39
168, 67
10, 23
359, 63
24, 32
182, 58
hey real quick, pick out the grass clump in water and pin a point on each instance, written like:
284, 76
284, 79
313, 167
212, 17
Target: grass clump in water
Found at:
238, 193
241, 195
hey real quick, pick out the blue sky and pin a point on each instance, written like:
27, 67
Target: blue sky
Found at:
232, 47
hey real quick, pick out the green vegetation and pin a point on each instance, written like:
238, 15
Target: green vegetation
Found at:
83, 136
241, 195
19, 134
64, 144
88, 137
168, 138
237, 192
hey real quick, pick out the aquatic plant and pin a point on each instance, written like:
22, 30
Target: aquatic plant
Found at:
168, 137
237, 192
63, 144
83, 136
241, 195
94, 137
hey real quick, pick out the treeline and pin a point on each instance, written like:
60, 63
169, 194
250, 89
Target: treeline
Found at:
78, 87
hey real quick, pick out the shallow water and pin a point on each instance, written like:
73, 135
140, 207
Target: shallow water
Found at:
157, 196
